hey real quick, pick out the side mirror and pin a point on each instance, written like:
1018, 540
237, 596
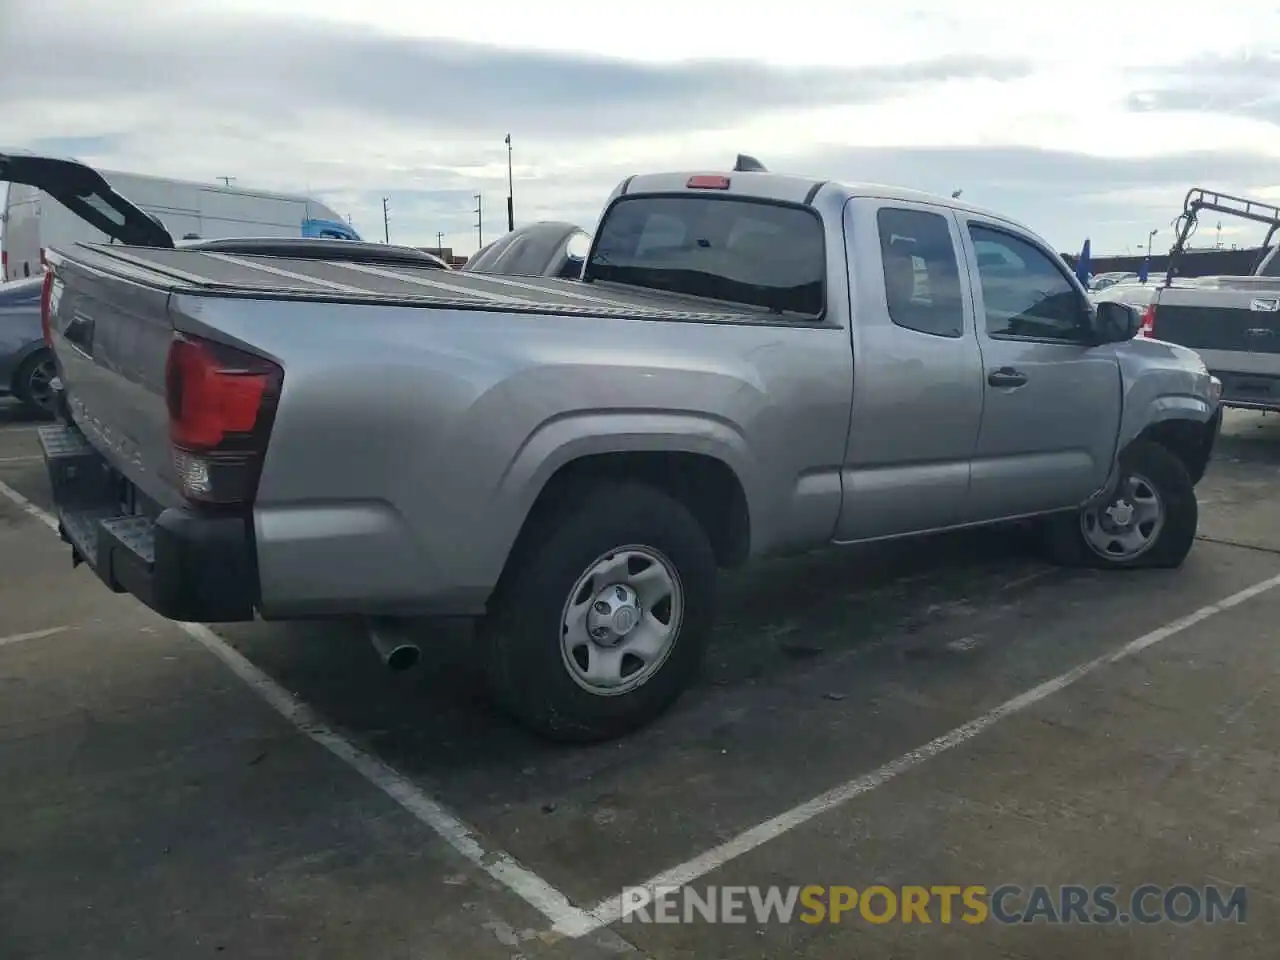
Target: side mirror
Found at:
1117, 322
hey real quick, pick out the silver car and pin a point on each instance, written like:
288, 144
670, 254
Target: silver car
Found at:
1102, 281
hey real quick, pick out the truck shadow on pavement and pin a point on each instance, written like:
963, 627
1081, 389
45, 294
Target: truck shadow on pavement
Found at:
1249, 437
14, 414
780, 618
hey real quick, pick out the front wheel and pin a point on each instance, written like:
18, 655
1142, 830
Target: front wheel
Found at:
602, 624
1150, 521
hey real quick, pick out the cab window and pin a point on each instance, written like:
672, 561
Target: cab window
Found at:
921, 272
756, 253
1025, 295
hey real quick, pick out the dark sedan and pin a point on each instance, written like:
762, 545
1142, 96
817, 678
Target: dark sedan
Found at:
26, 365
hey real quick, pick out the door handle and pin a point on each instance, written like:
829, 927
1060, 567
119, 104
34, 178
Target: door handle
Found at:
1006, 377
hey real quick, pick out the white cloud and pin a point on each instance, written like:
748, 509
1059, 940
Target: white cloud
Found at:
1090, 121
1090, 35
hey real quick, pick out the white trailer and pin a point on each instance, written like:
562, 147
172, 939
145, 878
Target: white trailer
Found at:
32, 221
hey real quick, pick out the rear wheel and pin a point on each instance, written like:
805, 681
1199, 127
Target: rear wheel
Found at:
1149, 522
603, 622
33, 384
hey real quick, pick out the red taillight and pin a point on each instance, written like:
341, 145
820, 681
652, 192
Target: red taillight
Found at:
1148, 327
46, 307
221, 402
707, 182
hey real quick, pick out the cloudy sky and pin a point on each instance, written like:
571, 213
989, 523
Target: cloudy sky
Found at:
1089, 123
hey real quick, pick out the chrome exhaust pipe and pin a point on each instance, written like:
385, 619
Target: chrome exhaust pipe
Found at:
397, 652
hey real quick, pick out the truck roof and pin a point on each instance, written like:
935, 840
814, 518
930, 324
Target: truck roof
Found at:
791, 188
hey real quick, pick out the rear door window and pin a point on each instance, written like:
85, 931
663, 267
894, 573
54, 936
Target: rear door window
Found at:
921, 272
748, 252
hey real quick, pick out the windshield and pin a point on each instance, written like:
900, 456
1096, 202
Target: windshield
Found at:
749, 252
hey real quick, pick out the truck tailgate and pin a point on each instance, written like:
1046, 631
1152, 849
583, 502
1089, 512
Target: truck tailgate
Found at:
181, 544
1226, 326
1235, 329
111, 336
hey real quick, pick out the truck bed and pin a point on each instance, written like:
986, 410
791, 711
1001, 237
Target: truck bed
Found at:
209, 273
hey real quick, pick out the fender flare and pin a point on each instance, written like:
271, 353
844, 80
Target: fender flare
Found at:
1171, 407
1163, 409
564, 439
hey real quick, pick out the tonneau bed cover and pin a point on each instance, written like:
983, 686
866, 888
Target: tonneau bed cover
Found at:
208, 273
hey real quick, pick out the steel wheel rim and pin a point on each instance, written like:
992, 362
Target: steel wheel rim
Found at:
1129, 525
40, 384
614, 640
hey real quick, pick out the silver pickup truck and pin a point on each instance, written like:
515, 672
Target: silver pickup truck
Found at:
750, 364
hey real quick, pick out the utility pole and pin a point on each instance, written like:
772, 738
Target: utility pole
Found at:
439, 241
511, 193
386, 221
479, 223
226, 180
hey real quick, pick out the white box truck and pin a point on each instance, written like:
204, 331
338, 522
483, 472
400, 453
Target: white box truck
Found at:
31, 221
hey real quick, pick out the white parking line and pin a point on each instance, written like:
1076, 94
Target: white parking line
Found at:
27, 507
31, 458
611, 911
542, 896
501, 866
32, 635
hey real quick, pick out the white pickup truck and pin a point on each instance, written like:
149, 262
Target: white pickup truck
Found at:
749, 364
1232, 322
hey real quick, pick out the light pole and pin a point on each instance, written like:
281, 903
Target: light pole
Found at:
386, 221
1150, 236
511, 193
479, 222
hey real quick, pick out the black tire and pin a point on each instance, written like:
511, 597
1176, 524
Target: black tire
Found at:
1168, 475
521, 635
29, 384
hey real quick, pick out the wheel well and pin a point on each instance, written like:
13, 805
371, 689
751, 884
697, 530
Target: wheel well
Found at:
707, 487
1186, 440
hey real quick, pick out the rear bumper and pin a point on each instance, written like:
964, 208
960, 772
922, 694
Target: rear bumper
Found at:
184, 566
1249, 391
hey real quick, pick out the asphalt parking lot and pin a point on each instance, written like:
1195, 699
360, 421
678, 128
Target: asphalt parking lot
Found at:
947, 713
